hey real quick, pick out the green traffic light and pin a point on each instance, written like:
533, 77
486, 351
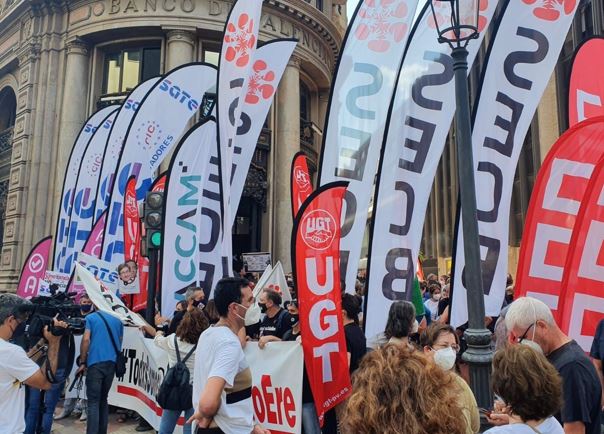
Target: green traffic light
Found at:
156, 239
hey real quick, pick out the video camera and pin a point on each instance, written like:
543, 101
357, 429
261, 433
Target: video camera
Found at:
60, 305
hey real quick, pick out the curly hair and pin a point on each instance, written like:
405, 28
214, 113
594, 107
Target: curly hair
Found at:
193, 324
395, 391
527, 382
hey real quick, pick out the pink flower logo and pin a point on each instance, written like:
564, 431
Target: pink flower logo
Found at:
381, 24
259, 83
551, 10
443, 15
240, 40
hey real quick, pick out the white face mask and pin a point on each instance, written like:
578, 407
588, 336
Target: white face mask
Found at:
415, 327
436, 297
445, 358
252, 314
532, 344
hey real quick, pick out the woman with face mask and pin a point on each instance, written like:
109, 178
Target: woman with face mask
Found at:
432, 303
441, 345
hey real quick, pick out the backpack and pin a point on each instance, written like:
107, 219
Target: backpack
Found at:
175, 392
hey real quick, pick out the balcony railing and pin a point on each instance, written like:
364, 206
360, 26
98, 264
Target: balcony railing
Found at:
6, 139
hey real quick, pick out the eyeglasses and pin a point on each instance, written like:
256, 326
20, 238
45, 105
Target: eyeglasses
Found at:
523, 337
455, 347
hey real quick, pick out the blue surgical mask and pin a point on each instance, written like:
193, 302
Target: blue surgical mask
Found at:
85, 308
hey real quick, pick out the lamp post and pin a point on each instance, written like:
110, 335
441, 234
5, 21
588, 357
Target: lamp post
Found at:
462, 18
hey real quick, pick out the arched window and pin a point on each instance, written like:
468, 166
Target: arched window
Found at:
8, 109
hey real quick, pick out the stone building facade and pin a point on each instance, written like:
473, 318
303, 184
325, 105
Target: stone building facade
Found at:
61, 60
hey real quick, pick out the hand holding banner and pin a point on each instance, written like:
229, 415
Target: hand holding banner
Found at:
316, 255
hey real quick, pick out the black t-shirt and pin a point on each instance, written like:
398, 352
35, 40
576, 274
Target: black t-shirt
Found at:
597, 346
581, 387
176, 320
277, 325
356, 345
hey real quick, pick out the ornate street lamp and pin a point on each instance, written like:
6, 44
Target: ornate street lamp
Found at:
457, 24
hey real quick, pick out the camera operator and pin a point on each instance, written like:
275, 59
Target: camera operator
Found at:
16, 368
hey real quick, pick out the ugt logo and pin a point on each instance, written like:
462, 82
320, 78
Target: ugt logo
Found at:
319, 229
551, 10
239, 40
259, 85
302, 179
381, 24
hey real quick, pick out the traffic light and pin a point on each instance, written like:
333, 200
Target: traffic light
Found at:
154, 219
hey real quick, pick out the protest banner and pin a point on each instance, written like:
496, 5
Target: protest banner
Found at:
363, 85
586, 86
275, 279
34, 268
581, 301
300, 182
192, 250
419, 121
552, 213
103, 270
315, 255
114, 144
256, 262
69, 181
82, 211
162, 117
53, 278
521, 58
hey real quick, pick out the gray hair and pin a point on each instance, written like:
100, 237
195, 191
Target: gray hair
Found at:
190, 294
400, 320
11, 304
525, 311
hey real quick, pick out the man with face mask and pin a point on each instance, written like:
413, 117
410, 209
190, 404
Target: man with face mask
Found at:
222, 380
16, 369
194, 297
530, 322
277, 321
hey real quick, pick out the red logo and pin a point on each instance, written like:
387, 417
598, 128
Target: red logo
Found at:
302, 179
318, 229
240, 40
259, 85
551, 10
443, 14
381, 24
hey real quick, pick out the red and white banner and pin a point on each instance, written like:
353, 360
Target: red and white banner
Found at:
358, 107
69, 182
582, 294
269, 64
586, 88
559, 189
113, 149
316, 258
160, 183
236, 60
132, 234
82, 212
420, 119
520, 61
301, 183
162, 117
34, 268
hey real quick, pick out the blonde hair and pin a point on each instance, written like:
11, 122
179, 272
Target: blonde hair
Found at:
397, 390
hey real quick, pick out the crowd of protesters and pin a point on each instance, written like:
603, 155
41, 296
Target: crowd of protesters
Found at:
409, 379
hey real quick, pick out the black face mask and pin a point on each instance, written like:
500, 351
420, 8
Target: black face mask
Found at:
85, 308
262, 307
196, 303
19, 331
295, 319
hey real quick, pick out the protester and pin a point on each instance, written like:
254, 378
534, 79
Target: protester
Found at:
597, 354
530, 322
441, 345
356, 344
194, 297
98, 361
277, 320
211, 313
531, 390
73, 405
222, 380
16, 368
401, 323
310, 420
432, 303
187, 334
396, 390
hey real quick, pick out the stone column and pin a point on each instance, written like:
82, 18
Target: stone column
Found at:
287, 143
323, 106
547, 117
180, 49
73, 109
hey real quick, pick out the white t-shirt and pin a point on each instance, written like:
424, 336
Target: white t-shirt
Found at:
548, 426
15, 368
219, 354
